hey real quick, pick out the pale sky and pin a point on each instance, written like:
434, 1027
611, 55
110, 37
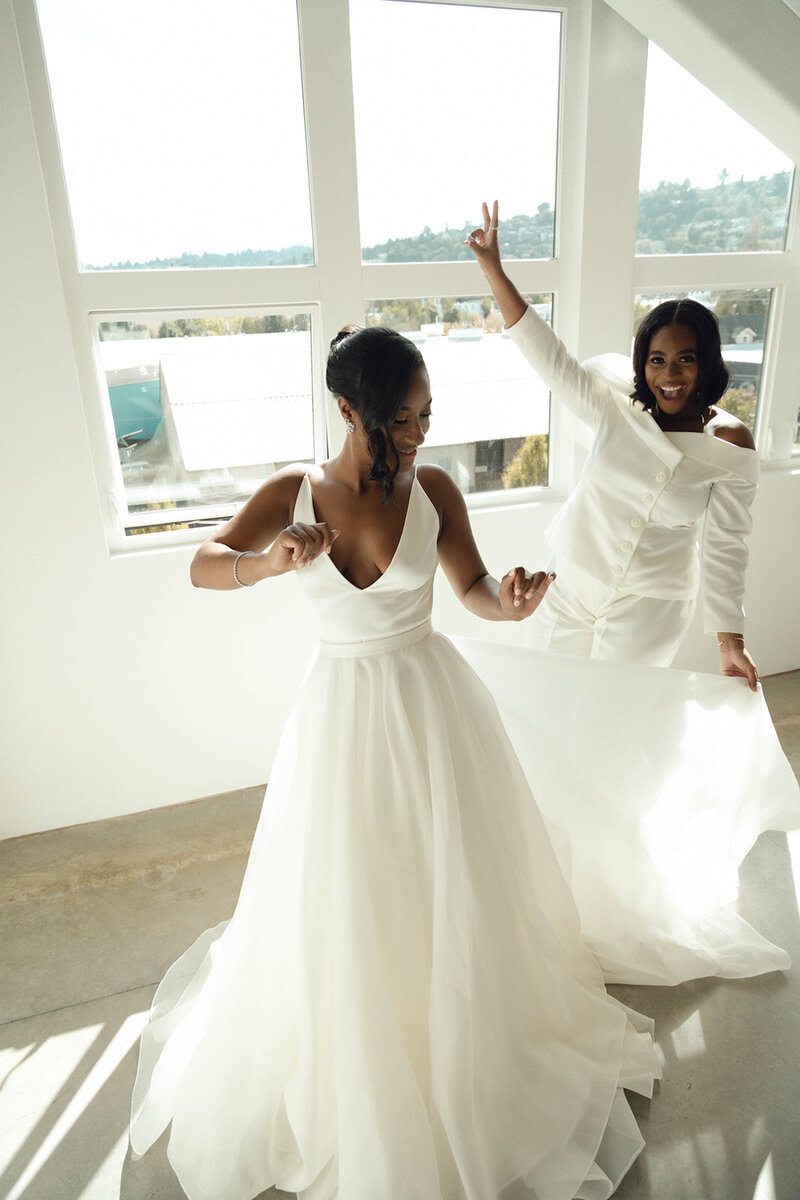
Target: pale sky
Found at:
181, 121
689, 133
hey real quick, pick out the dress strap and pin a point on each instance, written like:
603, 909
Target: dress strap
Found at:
304, 503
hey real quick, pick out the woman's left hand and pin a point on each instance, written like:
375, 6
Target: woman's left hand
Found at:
735, 660
521, 592
483, 241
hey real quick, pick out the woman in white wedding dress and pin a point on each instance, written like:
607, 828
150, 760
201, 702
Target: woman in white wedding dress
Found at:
402, 1006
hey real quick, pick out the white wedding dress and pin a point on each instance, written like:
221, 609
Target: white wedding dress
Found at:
653, 784
401, 1007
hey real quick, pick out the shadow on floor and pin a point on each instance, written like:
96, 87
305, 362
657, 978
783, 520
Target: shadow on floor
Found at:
61, 1143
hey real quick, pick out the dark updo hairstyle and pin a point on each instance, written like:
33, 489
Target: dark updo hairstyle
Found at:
712, 374
372, 369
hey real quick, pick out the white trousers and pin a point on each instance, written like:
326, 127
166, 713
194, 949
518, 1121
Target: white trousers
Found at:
581, 615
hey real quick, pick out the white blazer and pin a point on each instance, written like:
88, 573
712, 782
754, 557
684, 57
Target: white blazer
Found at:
645, 497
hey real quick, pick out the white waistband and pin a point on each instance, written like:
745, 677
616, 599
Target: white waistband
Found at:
372, 646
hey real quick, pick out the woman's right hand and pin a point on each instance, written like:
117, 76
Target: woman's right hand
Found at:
298, 545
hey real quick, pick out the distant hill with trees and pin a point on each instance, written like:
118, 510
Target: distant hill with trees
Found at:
747, 214
674, 218
290, 256
522, 237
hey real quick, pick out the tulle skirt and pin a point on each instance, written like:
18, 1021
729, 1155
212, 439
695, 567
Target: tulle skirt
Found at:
402, 1006
653, 784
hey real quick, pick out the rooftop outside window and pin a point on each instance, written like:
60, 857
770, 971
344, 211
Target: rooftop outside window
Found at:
204, 409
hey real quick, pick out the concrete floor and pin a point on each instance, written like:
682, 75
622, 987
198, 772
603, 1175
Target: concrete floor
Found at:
91, 917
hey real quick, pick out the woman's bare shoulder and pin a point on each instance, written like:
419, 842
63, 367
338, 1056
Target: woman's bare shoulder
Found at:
439, 487
729, 428
278, 493
268, 510
435, 480
285, 482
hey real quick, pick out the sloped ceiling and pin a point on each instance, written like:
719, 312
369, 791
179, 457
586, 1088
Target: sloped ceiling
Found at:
745, 51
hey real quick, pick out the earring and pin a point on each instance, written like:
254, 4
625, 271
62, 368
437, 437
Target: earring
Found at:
348, 424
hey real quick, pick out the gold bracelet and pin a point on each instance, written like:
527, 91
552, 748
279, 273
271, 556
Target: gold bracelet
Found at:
737, 637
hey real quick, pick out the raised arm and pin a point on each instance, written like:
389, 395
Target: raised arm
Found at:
583, 391
261, 540
484, 245
515, 597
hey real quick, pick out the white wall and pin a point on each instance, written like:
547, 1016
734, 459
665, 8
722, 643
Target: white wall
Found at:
122, 687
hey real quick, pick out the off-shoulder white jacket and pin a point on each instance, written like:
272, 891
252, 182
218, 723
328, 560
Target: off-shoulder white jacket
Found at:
649, 504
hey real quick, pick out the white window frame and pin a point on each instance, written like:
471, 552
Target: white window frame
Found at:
599, 143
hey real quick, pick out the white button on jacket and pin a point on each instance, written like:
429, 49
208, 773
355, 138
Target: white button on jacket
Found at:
704, 485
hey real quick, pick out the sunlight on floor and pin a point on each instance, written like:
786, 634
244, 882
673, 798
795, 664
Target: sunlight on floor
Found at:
765, 1184
687, 1039
53, 1061
112, 1056
117, 1153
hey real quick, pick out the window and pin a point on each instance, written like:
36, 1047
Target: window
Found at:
200, 188
743, 317
178, 153
226, 194
204, 408
491, 412
715, 212
433, 125
720, 188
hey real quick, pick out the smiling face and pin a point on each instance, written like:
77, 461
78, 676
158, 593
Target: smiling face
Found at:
671, 369
383, 392
413, 419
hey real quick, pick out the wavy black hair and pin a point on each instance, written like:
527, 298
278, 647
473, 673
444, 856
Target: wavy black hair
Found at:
372, 369
712, 374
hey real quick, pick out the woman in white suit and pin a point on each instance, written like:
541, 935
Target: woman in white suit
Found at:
670, 473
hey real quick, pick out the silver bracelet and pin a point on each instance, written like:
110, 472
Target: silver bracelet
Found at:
243, 554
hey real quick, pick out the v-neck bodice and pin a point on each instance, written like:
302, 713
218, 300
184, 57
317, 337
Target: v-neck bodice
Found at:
399, 600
